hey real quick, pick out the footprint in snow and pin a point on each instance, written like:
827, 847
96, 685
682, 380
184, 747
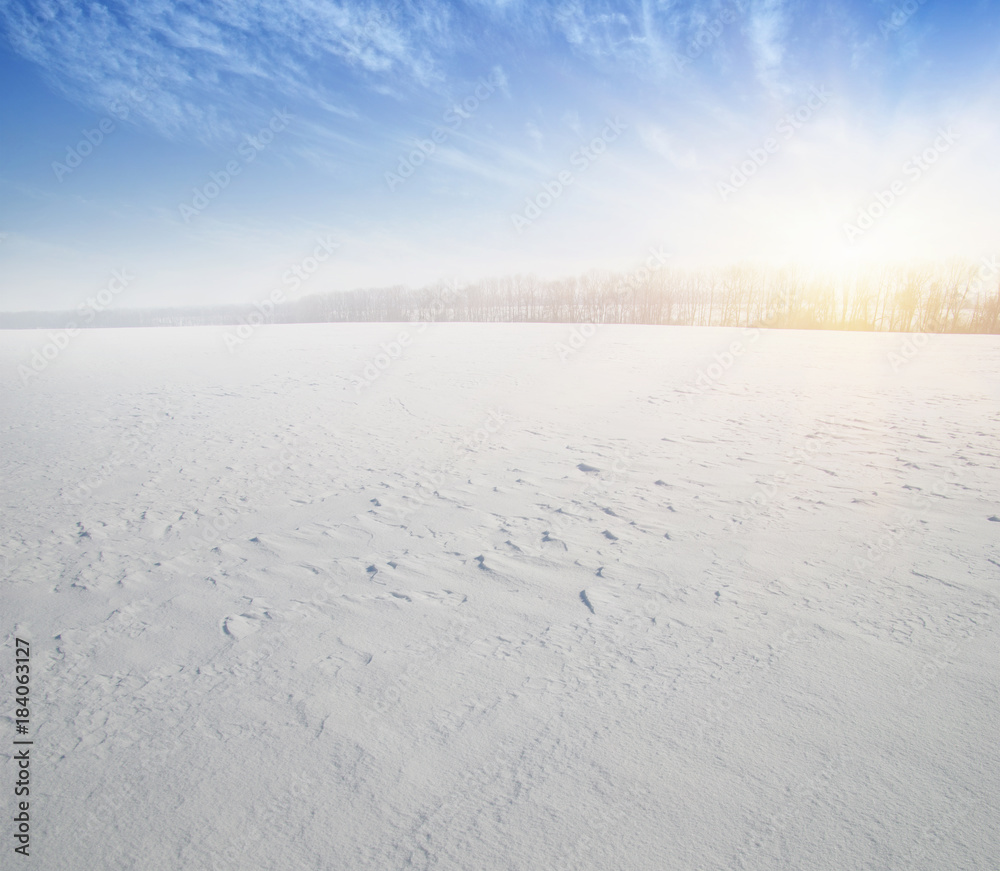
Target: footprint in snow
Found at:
240, 626
432, 597
583, 467
547, 539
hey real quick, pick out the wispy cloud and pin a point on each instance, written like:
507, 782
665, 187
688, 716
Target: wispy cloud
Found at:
204, 74
663, 143
602, 31
767, 29
364, 81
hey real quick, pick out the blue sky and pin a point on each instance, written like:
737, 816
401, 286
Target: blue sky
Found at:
645, 110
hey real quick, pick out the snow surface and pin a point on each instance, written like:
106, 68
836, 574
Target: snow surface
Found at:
524, 601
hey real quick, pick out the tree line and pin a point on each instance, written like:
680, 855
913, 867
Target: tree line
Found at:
958, 297
950, 298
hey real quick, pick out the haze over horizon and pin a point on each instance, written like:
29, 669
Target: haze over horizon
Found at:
228, 144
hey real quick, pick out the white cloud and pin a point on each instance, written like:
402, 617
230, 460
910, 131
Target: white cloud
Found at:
572, 120
767, 28
203, 75
663, 143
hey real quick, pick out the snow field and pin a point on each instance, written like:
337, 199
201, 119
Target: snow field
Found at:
507, 607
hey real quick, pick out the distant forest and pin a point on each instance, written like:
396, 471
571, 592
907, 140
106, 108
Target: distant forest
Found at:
957, 298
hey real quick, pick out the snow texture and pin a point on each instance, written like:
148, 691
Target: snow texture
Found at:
641, 606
